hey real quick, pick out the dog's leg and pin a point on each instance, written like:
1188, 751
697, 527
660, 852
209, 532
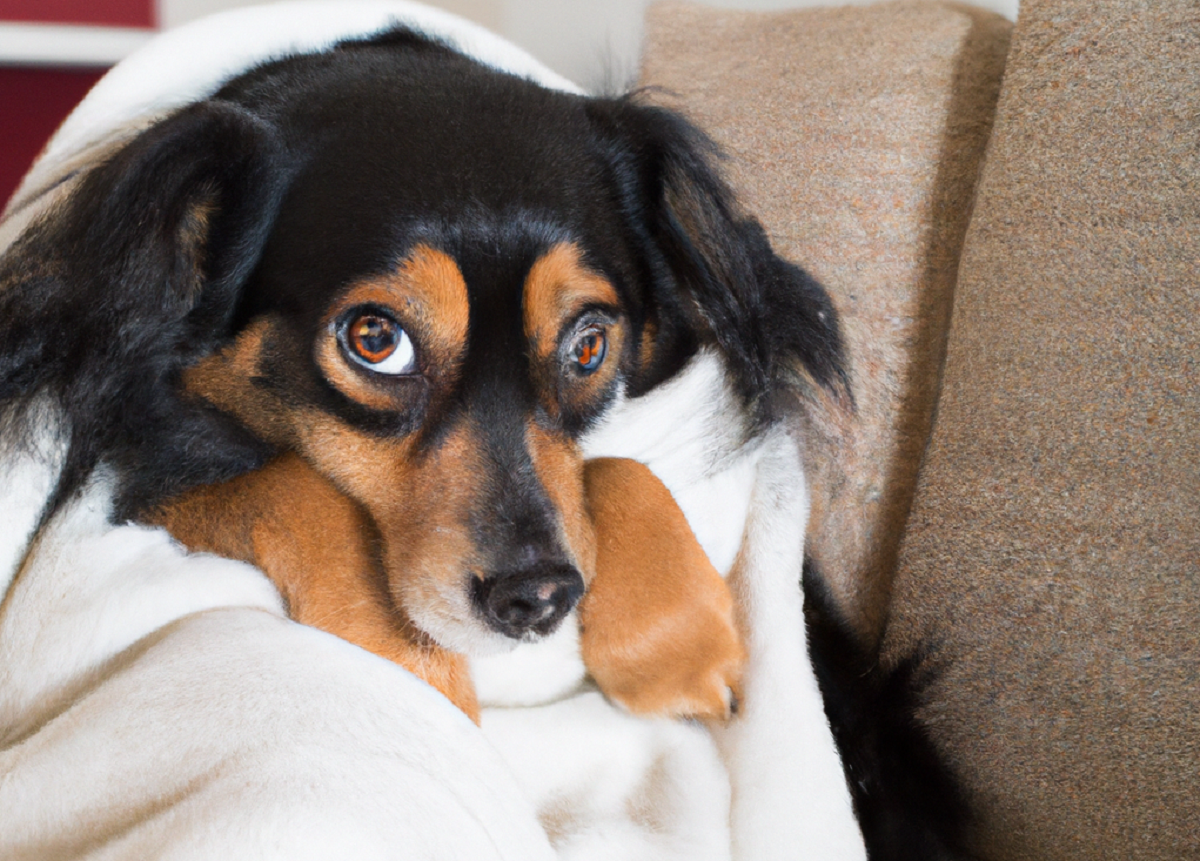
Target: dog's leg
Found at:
658, 630
316, 545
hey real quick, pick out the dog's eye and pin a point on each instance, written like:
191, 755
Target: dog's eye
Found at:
589, 349
376, 342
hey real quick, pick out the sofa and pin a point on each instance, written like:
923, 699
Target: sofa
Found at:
1009, 519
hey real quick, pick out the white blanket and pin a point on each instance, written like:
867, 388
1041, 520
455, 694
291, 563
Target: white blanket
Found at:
155, 704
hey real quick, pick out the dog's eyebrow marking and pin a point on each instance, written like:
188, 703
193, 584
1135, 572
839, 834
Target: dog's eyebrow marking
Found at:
557, 287
434, 278
428, 296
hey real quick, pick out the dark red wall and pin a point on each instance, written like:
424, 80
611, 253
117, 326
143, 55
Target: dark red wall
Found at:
115, 13
35, 99
32, 104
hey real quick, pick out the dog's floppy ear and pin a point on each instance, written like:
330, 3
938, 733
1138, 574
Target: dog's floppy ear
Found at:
711, 265
135, 275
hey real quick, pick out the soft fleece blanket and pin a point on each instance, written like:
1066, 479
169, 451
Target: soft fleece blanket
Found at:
155, 704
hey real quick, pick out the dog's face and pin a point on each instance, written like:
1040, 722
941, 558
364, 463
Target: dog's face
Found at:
447, 397
430, 279
436, 318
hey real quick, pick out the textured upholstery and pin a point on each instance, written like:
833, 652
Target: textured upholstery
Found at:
1048, 586
1051, 569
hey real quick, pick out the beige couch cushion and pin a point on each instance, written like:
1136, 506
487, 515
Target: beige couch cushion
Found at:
1053, 554
855, 135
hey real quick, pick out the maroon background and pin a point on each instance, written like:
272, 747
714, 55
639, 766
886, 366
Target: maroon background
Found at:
35, 99
32, 104
116, 13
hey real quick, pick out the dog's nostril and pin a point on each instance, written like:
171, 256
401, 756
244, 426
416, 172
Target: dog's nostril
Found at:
526, 602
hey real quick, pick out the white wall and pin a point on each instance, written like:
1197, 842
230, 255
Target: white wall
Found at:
594, 42
172, 13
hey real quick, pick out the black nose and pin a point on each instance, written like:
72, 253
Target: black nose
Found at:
529, 601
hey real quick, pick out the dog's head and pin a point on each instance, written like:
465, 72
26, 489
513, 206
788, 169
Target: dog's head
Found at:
427, 277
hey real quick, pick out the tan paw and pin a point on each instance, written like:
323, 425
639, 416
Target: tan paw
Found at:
687, 666
658, 629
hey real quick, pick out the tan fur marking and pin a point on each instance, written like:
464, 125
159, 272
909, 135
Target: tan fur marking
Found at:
559, 468
224, 379
315, 545
193, 234
428, 297
435, 279
420, 503
659, 635
557, 287
648, 344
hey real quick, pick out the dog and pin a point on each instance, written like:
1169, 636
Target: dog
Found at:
388, 290
480, 513
433, 321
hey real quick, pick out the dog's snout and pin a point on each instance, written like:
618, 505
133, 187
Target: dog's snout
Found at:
529, 601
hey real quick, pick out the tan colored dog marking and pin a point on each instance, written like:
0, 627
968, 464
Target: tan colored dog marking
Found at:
428, 295
560, 469
557, 287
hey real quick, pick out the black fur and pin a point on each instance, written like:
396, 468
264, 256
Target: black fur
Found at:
715, 275
908, 803
103, 304
323, 168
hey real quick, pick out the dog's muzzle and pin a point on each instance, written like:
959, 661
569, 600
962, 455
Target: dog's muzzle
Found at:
531, 601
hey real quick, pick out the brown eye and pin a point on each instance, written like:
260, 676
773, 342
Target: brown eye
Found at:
589, 349
376, 342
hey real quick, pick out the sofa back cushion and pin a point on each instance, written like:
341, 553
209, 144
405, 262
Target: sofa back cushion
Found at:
855, 135
1051, 570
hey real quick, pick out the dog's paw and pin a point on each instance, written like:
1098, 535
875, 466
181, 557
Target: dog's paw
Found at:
658, 628
687, 666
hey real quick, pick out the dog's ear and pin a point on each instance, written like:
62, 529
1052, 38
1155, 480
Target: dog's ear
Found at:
715, 277
131, 278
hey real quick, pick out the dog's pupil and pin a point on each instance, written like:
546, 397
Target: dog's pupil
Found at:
374, 338
589, 350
